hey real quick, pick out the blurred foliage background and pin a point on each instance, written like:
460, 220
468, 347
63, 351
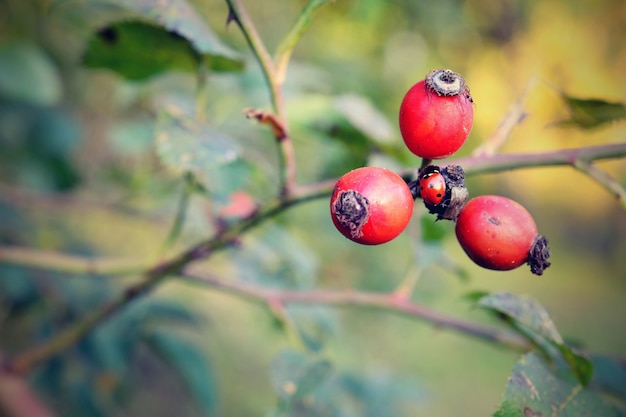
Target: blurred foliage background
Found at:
82, 173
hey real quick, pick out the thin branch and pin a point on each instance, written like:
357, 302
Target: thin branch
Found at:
26, 360
514, 116
286, 46
604, 179
239, 14
69, 264
387, 302
17, 399
286, 156
505, 162
485, 164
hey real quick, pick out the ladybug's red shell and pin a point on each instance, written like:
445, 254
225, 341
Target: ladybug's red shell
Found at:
432, 188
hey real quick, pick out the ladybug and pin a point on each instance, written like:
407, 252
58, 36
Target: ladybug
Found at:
432, 187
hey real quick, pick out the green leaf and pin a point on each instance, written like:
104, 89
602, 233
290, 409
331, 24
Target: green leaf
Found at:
191, 364
591, 113
300, 25
28, 74
532, 320
138, 50
433, 232
475, 296
181, 17
295, 376
365, 117
524, 311
427, 240
609, 375
276, 258
185, 144
537, 390
315, 324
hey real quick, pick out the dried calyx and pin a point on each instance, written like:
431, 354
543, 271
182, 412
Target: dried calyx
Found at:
445, 82
456, 192
539, 255
351, 209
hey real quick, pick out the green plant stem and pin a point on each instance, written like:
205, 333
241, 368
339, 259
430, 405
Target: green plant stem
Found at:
286, 151
289, 41
388, 302
239, 15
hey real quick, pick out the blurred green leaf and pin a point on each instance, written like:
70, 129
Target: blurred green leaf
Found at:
116, 340
17, 291
531, 319
432, 231
276, 258
427, 238
187, 145
524, 311
591, 113
378, 393
351, 127
474, 296
537, 390
190, 363
181, 17
299, 27
132, 137
315, 324
295, 376
28, 74
138, 50
609, 375
364, 117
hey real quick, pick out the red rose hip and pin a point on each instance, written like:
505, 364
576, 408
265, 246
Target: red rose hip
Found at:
371, 205
498, 233
436, 115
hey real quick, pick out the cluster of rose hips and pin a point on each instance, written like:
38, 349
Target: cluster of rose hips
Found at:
373, 205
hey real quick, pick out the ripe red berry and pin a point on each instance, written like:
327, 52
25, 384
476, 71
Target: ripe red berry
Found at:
432, 187
497, 233
371, 205
436, 115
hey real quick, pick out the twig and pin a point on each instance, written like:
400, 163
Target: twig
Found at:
286, 46
69, 264
485, 164
25, 361
17, 399
286, 157
514, 116
239, 14
604, 179
506, 162
388, 302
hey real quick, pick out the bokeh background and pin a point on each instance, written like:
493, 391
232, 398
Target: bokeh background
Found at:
79, 174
